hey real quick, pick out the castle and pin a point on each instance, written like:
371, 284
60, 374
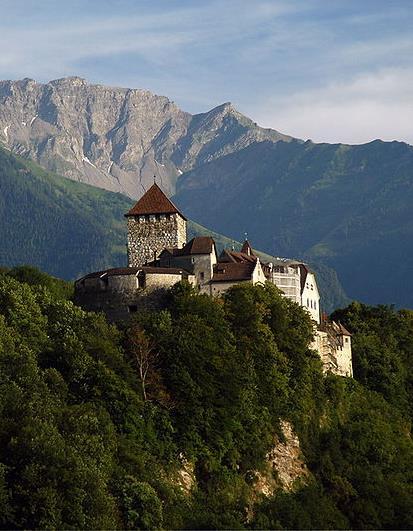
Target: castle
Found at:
159, 256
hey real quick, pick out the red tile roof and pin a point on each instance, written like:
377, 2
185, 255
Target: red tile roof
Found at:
236, 256
198, 245
154, 201
232, 271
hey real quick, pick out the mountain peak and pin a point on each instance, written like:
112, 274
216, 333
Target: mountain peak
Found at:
224, 108
69, 80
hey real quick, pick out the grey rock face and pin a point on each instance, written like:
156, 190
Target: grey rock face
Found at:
117, 138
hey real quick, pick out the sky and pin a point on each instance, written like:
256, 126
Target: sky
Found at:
328, 70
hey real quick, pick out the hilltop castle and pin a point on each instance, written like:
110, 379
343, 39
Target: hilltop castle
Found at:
159, 256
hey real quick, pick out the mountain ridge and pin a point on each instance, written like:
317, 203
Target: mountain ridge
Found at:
117, 138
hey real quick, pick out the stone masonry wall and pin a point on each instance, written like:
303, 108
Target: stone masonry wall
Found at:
149, 235
119, 296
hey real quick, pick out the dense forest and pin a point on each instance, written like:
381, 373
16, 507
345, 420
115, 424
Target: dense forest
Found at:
97, 423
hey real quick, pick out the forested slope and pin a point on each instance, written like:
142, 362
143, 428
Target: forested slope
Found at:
89, 440
68, 228
348, 207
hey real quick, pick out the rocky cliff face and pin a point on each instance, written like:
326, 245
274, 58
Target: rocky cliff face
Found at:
117, 138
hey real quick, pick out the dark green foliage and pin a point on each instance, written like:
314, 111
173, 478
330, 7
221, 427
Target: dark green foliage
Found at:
81, 445
140, 504
34, 277
383, 351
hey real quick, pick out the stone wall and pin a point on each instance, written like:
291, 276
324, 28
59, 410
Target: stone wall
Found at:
120, 296
201, 265
149, 235
334, 350
344, 357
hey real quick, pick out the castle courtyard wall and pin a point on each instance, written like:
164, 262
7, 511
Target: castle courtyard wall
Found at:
120, 296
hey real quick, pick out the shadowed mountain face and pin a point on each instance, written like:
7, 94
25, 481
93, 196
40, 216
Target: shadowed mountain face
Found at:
117, 138
349, 207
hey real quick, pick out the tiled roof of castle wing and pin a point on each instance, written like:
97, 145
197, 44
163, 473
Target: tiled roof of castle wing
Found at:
228, 255
232, 271
154, 201
198, 245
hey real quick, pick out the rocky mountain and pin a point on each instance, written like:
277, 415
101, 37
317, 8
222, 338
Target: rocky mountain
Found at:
117, 138
349, 207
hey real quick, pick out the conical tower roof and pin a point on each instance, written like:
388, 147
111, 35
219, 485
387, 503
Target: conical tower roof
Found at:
154, 201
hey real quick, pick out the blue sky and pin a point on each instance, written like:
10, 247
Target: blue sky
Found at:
329, 70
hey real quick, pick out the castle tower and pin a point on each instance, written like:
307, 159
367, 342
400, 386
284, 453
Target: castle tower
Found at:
153, 224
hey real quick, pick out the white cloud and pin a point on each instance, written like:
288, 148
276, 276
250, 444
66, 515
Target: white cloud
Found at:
371, 106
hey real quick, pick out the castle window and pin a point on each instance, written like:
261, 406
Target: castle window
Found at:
168, 216
201, 275
133, 308
346, 339
315, 305
308, 303
157, 217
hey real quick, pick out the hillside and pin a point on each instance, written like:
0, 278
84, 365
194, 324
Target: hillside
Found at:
69, 229
117, 138
348, 207
211, 414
